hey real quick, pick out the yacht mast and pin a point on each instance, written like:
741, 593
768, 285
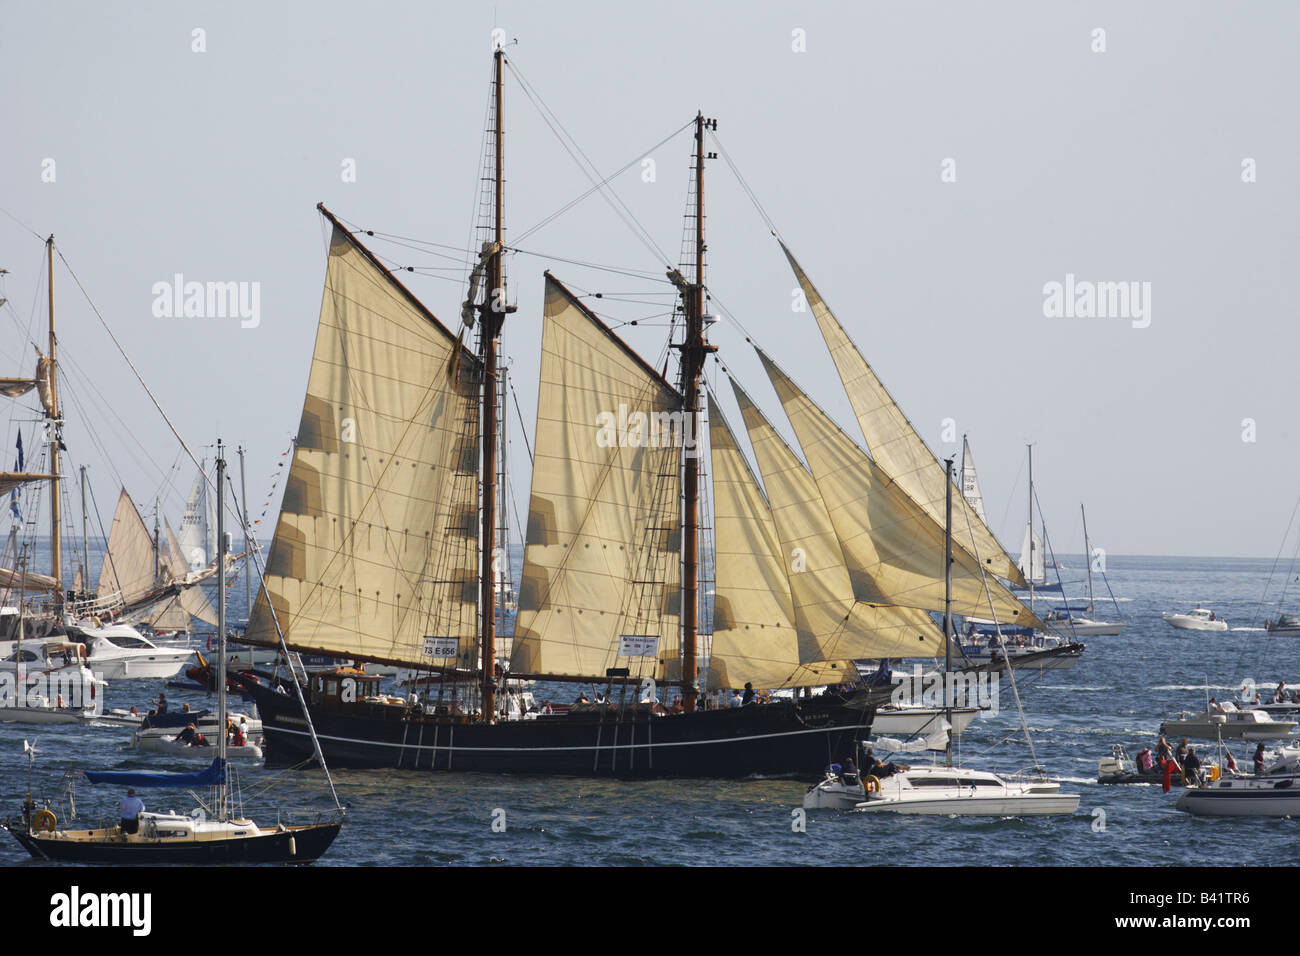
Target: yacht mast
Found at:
1087, 555
1029, 556
248, 541
492, 315
947, 608
221, 632
54, 420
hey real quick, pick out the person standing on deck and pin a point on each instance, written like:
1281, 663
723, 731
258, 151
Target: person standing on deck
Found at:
132, 807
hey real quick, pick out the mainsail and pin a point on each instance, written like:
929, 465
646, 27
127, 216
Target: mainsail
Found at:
836, 611
375, 551
894, 547
603, 545
755, 639
196, 543
894, 444
129, 571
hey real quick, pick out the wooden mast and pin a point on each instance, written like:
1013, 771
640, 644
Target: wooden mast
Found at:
52, 413
492, 314
694, 352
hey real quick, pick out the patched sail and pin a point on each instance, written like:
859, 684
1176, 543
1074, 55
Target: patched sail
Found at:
894, 548
836, 613
375, 552
754, 635
128, 572
601, 575
895, 445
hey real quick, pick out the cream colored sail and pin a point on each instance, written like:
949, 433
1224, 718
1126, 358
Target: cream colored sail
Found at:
601, 573
837, 612
887, 538
895, 445
754, 635
375, 552
970, 483
128, 570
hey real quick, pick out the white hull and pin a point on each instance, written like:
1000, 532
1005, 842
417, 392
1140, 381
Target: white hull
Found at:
1188, 622
1086, 628
1020, 805
1244, 797
154, 667
167, 744
919, 721
1233, 724
44, 715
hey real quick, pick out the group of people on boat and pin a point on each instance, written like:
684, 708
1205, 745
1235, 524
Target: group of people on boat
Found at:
1165, 761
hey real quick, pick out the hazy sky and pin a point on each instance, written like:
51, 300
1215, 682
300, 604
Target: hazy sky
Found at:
1119, 165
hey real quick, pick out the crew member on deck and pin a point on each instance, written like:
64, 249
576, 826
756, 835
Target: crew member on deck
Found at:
132, 807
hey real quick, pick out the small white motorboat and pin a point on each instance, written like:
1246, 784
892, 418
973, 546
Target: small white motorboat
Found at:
1230, 723
1201, 619
1287, 625
960, 791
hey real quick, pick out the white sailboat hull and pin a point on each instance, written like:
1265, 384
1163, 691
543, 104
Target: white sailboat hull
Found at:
1028, 804
1244, 797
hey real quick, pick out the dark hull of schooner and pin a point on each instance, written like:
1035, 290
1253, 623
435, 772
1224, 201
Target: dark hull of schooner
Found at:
784, 738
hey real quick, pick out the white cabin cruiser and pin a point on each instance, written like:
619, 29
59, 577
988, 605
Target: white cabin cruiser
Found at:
961, 791
1201, 619
48, 682
120, 652
1229, 722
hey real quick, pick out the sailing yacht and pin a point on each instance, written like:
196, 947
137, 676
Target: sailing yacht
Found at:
170, 838
383, 551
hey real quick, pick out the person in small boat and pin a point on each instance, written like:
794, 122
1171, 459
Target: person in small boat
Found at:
1180, 755
1215, 706
1163, 751
161, 703
239, 740
1144, 761
1279, 695
1259, 759
187, 736
1230, 763
875, 768
849, 772
1192, 766
132, 807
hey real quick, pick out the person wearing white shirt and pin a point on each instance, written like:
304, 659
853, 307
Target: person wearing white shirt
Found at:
132, 807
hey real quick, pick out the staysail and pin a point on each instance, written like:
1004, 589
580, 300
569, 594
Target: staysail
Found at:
894, 444
375, 551
755, 639
895, 548
836, 612
602, 551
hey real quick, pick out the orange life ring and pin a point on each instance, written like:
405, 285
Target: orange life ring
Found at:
873, 784
44, 820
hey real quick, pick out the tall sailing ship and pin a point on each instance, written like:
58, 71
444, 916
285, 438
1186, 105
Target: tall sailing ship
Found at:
384, 547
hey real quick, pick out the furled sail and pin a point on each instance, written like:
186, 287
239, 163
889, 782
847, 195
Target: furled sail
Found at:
836, 615
128, 572
375, 552
895, 549
970, 485
754, 635
894, 444
601, 575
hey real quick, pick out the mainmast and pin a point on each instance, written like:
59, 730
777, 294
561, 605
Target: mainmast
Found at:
1029, 559
492, 314
947, 608
222, 745
694, 350
52, 414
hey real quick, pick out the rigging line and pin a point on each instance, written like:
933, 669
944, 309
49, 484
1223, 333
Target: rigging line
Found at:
21, 223
735, 171
552, 121
523, 428
640, 157
633, 273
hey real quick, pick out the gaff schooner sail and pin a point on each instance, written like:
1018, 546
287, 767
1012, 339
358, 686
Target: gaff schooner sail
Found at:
383, 549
